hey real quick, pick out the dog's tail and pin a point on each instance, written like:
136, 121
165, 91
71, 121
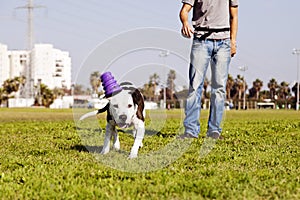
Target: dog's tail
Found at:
94, 113
89, 114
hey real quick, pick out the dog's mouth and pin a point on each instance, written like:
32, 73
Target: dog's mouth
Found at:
122, 125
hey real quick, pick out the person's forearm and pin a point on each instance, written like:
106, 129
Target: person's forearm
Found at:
184, 18
233, 23
184, 15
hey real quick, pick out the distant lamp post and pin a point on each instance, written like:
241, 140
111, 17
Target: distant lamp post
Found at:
244, 69
297, 52
164, 54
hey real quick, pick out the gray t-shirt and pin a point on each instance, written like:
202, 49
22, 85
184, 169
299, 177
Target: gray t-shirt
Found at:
211, 14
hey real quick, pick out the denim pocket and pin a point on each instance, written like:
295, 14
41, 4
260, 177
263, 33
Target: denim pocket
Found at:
227, 43
196, 43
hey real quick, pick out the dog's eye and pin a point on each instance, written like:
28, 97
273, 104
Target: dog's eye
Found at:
129, 105
116, 106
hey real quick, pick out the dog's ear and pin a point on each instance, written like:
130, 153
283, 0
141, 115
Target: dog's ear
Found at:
106, 109
139, 101
101, 110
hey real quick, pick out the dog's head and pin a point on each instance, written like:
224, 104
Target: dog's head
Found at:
125, 106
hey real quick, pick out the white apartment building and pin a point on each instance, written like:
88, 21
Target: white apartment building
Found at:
51, 65
4, 64
63, 69
18, 60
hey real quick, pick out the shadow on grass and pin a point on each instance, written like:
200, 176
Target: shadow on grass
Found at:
85, 148
151, 132
89, 129
94, 149
148, 132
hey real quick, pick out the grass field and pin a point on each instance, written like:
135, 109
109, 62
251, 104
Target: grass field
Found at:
42, 156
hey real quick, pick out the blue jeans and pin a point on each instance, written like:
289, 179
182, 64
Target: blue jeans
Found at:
217, 54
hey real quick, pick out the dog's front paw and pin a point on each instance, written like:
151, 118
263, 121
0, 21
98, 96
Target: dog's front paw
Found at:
116, 145
132, 156
104, 151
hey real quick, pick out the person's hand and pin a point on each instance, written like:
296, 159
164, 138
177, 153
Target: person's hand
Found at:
233, 48
187, 31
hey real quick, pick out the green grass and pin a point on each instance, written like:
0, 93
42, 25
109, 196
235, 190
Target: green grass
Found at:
44, 156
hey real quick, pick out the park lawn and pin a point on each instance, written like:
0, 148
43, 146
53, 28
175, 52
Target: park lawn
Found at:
42, 157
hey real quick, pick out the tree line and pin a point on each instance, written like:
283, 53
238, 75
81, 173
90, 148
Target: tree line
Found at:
43, 96
236, 90
282, 93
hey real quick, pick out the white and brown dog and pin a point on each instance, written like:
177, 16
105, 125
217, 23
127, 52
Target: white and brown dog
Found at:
124, 109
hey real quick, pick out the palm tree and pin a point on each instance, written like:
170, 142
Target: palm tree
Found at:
147, 92
2, 96
254, 91
239, 88
205, 86
170, 82
11, 85
79, 89
58, 92
284, 90
229, 86
272, 85
11, 88
153, 82
240, 81
95, 81
47, 95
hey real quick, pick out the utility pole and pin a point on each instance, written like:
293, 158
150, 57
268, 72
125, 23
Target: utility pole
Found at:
30, 40
164, 54
30, 35
244, 69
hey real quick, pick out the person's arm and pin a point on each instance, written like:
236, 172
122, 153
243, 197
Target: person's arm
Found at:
233, 28
186, 29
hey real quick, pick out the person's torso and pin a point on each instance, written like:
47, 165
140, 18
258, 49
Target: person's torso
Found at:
211, 14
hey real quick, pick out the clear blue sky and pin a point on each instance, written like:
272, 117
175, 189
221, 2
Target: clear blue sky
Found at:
268, 30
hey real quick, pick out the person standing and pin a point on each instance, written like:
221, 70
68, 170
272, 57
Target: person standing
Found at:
214, 31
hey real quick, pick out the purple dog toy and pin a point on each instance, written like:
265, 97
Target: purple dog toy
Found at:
110, 85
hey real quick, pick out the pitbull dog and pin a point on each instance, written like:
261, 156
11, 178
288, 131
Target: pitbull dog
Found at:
124, 109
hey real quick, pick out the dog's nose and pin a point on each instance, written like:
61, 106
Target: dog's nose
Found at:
123, 117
